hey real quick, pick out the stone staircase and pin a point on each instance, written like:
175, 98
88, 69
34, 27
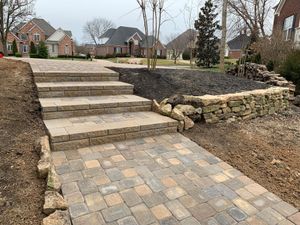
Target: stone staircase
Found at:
82, 109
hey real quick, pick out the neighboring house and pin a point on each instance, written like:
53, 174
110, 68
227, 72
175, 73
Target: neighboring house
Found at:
36, 30
287, 19
60, 43
237, 46
184, 41
126, 41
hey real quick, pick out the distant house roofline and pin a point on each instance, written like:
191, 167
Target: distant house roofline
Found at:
279, 6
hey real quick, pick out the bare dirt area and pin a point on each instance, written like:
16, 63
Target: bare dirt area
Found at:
21, 192
163, 83
265, 149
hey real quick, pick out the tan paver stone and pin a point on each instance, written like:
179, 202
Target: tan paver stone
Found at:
92, 164
113, 199
255, 221
219, 178
202, 163
244, 194
295, 218
175, 192
245, 206
169, 182
129, 172
178, 146
174, 161
256, 189
161, 212
118, 158
95, 202
224, 165
101, 180
188, 201
184, 151
143, 190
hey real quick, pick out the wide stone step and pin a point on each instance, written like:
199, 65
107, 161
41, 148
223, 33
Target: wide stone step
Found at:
54, 108
76, 89
79, 132
74, 76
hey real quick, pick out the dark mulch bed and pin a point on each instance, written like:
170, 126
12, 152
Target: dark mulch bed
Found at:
163, 83
21, 192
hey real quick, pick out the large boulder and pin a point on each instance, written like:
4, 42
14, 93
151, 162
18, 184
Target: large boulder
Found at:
177, 115
176, 100
53, 201
53, 181
155, 106
297, 100
57, 218
187, 110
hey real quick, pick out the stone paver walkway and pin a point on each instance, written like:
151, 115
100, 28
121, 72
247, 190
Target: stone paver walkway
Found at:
121, 164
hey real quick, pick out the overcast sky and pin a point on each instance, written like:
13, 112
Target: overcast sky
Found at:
72, 14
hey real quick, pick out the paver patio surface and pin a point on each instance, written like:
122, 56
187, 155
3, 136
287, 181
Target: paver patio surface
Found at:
164, 179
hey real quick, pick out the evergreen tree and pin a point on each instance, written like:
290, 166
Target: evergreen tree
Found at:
43, 50
207, 43
33, 49
14, 47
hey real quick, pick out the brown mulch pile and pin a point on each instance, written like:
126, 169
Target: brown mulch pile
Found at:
21, 192
265, 149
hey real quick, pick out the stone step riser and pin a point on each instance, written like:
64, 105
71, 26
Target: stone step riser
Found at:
84, 140
76, 111
80, 93
40, 79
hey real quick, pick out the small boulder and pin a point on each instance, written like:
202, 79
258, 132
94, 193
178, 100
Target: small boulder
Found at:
164, 102
57, 218
53, 201
43, 168
297, 100
177, 115
188, 123
176, 100
187, 110
53, 182
166, 109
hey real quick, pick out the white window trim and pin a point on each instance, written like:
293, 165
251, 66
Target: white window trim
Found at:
36, 35
9, 47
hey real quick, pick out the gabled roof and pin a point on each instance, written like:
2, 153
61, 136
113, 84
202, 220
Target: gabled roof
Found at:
57, 36
45, 26
239, 42
184, 38
279, 6
18, 27
68, 32
151, 41
121, 35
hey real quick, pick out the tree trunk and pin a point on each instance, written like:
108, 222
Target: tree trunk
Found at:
224, 34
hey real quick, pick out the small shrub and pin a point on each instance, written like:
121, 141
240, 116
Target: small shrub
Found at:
34, 56
290, 69
33, 49
18, 55
14, 47
270, 66
186, 55
43, 50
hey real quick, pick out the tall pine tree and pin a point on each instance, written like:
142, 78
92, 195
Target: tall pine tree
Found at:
207, 43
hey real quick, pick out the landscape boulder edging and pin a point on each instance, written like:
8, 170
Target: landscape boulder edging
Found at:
228, 107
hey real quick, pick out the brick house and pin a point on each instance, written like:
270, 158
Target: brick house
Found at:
127, 41
237, 45
35, 30
287, 19
60, 43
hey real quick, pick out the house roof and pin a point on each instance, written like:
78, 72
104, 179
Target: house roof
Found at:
279, 6
121, 35
44, 25
151, 41
239, 42
183, 39
57, 36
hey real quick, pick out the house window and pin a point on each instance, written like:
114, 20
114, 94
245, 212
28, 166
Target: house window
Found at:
53, 48
36, 37
67, 50
25, 48
288, 27
118, 50
23, 37
158, 52
9, 47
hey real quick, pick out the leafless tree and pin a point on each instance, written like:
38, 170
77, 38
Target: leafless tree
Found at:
176, 46
253, 13
224, 35
12, 12
95, 28
157, 8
